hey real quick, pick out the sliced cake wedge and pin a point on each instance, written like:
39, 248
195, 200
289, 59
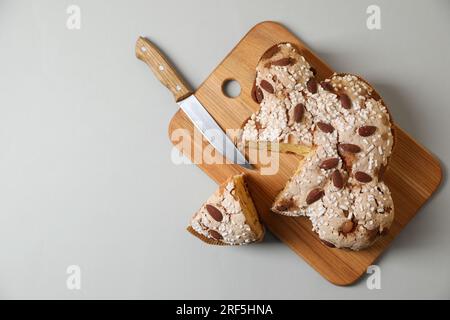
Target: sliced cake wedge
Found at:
228, 217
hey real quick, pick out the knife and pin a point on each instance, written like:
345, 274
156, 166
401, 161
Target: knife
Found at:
188, 102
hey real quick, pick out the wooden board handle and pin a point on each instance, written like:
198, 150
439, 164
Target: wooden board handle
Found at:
164, 71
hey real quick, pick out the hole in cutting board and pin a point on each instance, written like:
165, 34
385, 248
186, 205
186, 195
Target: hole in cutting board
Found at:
231, 88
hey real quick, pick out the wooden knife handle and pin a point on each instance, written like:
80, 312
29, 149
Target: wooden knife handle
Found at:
164, 71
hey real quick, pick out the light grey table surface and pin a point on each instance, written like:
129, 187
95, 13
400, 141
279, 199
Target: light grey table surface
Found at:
86, 176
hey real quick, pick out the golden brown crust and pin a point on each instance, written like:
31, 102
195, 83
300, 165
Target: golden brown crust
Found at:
205, 239
249, 209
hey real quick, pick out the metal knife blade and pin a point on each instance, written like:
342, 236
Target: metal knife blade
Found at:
213, 133
203, 121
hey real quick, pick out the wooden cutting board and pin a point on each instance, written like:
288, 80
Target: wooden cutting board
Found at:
412, 176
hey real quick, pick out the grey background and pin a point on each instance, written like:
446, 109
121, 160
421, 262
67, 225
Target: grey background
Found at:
85, 170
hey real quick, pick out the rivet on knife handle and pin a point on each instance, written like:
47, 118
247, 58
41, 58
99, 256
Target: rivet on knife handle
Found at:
164, 71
